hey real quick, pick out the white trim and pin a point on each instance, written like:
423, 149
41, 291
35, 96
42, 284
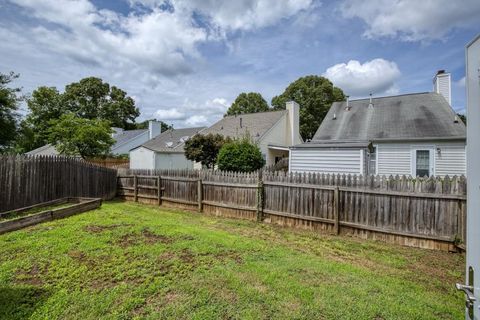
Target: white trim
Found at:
413, 158
376, 158
362, 161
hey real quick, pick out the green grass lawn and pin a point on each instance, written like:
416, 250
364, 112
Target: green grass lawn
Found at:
126, 261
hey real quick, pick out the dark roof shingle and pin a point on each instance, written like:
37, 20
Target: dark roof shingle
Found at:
255, 124
171, 140
402, 117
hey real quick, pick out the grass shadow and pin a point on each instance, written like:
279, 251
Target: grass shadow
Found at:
20, 302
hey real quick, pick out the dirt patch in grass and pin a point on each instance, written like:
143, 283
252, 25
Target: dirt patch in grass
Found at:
102, 228
31, 277
151, 238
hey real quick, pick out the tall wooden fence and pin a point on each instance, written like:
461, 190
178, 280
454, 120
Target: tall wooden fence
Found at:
427, 213
27, 180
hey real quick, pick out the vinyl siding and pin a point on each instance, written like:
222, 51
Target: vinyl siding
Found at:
142, 158
172, 161
396, 158
346, 161
451, 160
393, 159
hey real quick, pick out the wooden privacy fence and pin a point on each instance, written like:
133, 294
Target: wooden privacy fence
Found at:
28, 180
419, 212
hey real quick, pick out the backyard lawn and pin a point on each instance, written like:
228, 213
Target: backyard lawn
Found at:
127, 260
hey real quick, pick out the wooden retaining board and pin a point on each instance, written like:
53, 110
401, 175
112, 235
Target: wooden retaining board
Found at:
79, 205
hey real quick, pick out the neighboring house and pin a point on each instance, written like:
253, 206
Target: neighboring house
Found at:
125, 140
412, 134
274, 132
164, 151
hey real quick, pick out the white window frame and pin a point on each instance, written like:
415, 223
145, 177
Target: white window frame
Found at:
413, 162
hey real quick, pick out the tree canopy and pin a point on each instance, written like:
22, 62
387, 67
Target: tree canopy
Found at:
9, 100
204, 148
248, 103
72, 135
240, 156
315, 95
90, 98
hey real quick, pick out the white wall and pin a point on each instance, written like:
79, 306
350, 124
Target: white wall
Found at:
142, 158
172, 161
396, 158
132, 143
281, 135
326, 160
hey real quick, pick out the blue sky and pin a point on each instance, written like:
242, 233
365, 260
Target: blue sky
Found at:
184, 62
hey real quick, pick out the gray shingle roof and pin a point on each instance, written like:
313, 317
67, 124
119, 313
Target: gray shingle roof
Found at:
403, 117
171, 140
46, 150
256, 124
126, 136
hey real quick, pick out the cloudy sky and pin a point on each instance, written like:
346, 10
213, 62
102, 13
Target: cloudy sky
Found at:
185, 61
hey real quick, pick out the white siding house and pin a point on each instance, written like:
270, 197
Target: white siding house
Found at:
164, 151
414, 134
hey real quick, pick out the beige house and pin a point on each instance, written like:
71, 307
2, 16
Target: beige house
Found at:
273, 131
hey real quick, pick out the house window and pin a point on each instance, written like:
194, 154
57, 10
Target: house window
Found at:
372, 161
422, 163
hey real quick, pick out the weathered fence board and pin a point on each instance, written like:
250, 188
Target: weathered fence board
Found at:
26, 180
426, 212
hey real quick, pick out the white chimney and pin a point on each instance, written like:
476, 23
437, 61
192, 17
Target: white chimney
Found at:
293, 109
116, 131
442, 85
154, 129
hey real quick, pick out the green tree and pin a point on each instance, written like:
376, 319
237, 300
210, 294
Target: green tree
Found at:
144, 125
315, 95
462, 117
248, 103
91, 98
241, 156
45, 104
204, 148
72, 135
9, 101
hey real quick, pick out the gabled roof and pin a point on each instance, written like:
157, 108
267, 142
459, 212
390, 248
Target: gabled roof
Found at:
126, 136
120, 139
171, 140
46, 150
404, 117
255, 124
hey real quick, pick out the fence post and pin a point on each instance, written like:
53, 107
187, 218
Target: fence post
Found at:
135, 188
159, 190
260, 199
200, 195
336, 210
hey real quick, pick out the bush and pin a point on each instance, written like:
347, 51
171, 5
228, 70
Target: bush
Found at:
240, 155
204, 148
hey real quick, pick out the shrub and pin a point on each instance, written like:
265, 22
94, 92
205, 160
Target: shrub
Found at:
240, 155
204, 148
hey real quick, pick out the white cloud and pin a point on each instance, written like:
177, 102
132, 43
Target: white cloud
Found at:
413, 20
197, 120
170, 114
243, 15
158, 42
460, 82
356, 79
